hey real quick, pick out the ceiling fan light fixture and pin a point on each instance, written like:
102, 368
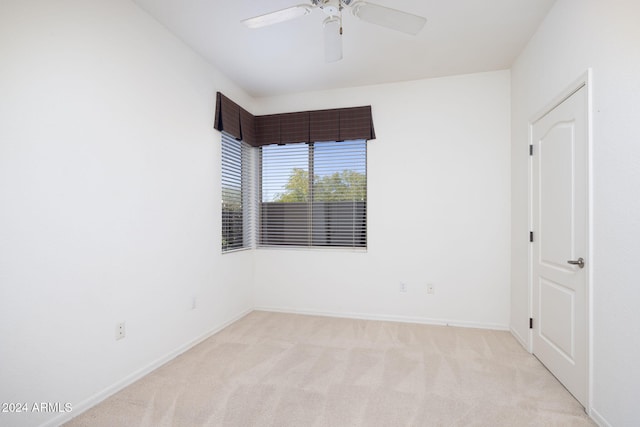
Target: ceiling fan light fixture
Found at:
332, 27
278, 16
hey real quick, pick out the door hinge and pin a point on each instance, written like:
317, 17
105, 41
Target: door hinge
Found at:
531, 236
530, 322
531, 150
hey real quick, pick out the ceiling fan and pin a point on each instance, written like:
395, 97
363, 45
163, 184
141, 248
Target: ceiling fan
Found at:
368, 12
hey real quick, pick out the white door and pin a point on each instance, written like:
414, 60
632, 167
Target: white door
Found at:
560, 229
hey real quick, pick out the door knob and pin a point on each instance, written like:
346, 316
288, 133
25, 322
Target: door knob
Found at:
579, 262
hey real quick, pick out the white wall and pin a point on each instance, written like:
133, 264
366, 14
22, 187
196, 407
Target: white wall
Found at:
603, 35
109, 201
438, 209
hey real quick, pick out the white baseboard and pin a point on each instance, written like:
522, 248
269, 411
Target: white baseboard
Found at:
389, 318
135, 376
599, 419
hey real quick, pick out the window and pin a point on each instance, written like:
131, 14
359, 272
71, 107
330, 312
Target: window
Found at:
308, 193
237, 194
314, 194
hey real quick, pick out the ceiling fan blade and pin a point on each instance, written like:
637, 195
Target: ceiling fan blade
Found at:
278, 16
387, 17
332, 39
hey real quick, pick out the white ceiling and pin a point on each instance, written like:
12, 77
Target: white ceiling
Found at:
461, 37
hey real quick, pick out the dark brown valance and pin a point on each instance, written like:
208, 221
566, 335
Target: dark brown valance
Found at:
339, 124
267, 130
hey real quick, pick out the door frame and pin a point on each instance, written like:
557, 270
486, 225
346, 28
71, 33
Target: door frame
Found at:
585, 80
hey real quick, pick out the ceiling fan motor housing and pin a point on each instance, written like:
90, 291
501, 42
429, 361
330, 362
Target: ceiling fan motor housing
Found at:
320, 3
331, 7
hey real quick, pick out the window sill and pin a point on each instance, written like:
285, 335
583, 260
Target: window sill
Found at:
314, 249
233, 251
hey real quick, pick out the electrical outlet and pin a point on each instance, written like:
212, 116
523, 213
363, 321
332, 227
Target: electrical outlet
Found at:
120, 331
431, 289
403, 287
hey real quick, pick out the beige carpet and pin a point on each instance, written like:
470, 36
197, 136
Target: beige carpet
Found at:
272, 369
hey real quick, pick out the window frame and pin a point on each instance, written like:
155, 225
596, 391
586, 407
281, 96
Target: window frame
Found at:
358, 226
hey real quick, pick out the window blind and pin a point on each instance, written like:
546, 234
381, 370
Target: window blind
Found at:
314, 194
238, 194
